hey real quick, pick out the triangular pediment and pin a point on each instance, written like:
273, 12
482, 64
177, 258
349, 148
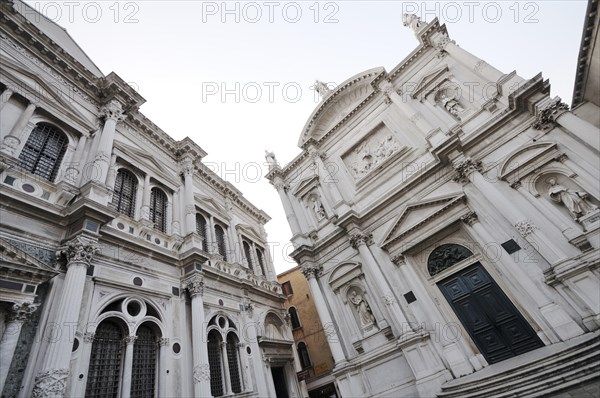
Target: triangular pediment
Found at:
51, 95
211, 206
18, 261
140, 157
250, 232
420, 213
429, 81
305, 185
340, 104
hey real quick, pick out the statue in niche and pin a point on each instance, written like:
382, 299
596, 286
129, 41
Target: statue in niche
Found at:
318, 208
365, 315
575, 201
451, 104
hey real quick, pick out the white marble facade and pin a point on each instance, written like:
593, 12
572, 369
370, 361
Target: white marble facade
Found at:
426, 188
122, 269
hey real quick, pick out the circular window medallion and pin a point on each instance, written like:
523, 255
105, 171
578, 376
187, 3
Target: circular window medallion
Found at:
248, 350
221, 302
120, 225
176, 348
157, 241
137, 281
222, 322
134, 308
28, 188
75, 345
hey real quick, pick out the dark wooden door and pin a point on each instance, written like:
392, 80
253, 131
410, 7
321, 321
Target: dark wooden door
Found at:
490, 318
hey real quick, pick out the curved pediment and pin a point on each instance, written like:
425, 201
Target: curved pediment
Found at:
339, 104
520, 161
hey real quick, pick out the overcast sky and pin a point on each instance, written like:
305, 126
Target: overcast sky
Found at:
237, 77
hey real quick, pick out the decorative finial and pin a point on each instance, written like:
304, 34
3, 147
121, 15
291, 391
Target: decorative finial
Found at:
322, 88
412, 21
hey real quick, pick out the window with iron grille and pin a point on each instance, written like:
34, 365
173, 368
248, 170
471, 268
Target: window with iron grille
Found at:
44, 151
232, 359
303, 354
145, 356
123, 199
201, 230
158, 209
104, 372
294, 317
261, 260
248, 255
220, 234
214, 363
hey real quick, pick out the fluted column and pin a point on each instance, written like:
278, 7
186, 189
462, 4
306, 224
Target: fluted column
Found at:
113, 113
187, 168
163, 347
146, 199
73, 172
443, 43
560, 322
557, 112
13, 139
19, 313
54, 371
468, 170
359, 242
281, 188
201, 372
176, 225
129, 342
311, 273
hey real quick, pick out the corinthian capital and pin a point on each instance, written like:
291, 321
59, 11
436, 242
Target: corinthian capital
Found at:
19, 312
113, 110
195, 285
441, 42
358, 239
79, 251
312, 271
547, 115
464, 168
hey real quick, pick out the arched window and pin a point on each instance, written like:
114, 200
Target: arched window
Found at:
104, 373
123, 199
248, 255
220, 235
44, 151
214, 363
261, 260
145, 357
232, 360
158, 209
202, 231
445, 256
294, 318
303, 354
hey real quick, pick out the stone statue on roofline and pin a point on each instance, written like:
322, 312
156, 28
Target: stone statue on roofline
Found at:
412, 21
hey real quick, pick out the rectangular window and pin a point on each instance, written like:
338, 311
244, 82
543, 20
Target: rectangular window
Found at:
287, 288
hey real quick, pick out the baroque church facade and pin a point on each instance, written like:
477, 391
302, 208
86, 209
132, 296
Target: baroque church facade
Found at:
445, 215
128, 268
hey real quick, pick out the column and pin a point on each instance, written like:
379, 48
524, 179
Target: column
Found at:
443, 43
74, 169
6, 94
468, 171
214, 247
201, 372
329, 182
13, 139
176, 227
227, 385
187, 168
163, 346
560, 322
19, 312
371, 268
145, 213
257, 266
244, 367
555, 111
281, 188
113, 113
310, 273
128, 342
54, 370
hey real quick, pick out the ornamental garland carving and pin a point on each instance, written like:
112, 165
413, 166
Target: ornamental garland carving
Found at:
359, 239
548, 115
50, 383
525, 227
